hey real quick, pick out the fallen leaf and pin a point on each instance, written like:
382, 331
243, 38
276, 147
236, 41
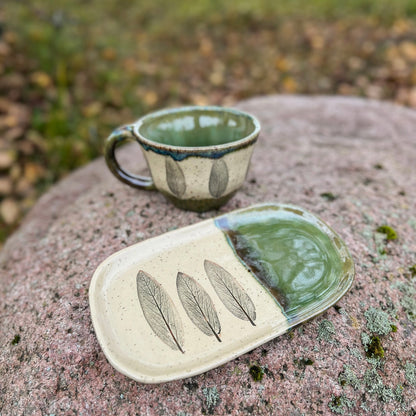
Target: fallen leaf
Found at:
130, 65
401, 26
206, 47
317, 42
399, 65
13, 80
150, 98
14, 133
15, 172
374, 91
6, 185
281, 64
412, 97
109, 54
4, 49
23, 187
92, 109
289, 84
7, 158
9, 211
216, 78
41, 79
199, 99
33, 172
408, 49
10, 37
355, 63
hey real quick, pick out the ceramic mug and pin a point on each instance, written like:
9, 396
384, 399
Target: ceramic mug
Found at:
198, 157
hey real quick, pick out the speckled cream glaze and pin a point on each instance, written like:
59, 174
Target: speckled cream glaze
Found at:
123, 332
197, 169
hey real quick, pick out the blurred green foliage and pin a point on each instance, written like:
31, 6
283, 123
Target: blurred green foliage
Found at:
91, 55
88, 66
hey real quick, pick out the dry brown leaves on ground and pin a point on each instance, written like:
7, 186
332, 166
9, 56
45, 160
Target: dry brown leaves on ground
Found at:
56, 111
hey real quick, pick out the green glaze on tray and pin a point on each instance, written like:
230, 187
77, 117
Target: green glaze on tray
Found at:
298, 258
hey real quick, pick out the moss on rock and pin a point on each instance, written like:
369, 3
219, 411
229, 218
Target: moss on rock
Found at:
389, 232
16, 339
256, 372
375, 349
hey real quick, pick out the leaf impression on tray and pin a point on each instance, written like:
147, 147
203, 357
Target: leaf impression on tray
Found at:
159, 311
218, 179
175, 177
198, 305
232, 295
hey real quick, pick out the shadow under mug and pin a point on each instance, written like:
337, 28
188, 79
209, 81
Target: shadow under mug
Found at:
198, 157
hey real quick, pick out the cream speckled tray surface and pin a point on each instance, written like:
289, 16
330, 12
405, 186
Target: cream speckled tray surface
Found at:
194, 298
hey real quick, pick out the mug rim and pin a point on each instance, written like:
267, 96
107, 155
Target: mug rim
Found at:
236, 144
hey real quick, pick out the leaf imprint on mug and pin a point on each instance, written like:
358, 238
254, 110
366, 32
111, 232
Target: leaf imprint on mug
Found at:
175, 177
232, 295
198, 305
159, 311
218, 179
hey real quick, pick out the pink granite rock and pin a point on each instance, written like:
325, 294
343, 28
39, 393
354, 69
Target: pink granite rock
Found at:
350, 161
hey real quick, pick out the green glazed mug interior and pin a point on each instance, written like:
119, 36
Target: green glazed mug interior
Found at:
195, 127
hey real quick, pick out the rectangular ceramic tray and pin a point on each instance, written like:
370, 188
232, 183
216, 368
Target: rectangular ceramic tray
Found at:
194, 298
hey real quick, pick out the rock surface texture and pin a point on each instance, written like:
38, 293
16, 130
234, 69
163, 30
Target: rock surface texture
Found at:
350, 161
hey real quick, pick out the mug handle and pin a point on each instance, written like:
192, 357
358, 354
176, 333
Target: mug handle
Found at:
115, 138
